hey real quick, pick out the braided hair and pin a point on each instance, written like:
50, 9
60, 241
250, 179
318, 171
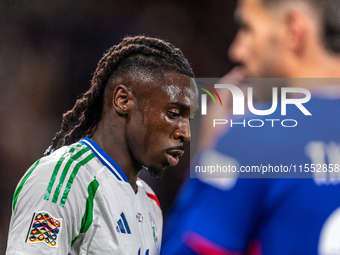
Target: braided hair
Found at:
131, 55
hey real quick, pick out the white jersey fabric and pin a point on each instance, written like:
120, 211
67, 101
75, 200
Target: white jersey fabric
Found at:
78, 201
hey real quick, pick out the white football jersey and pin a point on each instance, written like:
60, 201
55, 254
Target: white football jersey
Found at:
78, 201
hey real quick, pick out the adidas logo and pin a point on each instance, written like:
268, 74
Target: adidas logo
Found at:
123, 226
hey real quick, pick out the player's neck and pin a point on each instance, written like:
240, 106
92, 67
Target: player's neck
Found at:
115, 147
320, 64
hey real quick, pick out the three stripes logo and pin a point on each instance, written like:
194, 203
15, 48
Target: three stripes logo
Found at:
204, 97
66, 169
123, 226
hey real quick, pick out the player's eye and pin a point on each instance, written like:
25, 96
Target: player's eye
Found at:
173, 115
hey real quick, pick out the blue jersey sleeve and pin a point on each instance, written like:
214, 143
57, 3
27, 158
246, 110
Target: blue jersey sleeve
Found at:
205, 213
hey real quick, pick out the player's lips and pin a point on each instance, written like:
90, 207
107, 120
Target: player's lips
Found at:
173, 156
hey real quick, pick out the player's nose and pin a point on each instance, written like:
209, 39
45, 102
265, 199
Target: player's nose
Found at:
183, 132
237, 51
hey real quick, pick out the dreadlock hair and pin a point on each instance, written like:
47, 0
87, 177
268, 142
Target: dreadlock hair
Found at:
135, 55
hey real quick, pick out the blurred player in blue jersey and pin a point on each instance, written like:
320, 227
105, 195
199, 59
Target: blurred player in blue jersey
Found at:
277, 38
84, 196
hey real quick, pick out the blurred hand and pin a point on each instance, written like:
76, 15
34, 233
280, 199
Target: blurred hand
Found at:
209, 134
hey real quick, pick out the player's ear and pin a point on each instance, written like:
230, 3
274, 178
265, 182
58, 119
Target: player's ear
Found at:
123, 100
297, 28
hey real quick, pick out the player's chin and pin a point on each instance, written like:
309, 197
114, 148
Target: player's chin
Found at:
156, 171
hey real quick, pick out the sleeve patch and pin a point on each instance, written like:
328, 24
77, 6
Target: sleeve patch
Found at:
44, 228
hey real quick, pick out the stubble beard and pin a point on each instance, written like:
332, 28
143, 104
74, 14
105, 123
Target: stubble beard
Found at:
154, 172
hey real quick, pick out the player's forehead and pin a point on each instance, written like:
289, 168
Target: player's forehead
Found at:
176, 85
169, 90
180, 88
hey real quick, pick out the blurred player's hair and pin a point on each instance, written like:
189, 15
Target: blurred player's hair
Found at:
328, 14
133, 57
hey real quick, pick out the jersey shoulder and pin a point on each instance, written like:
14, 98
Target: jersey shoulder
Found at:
57, 190
55, 177
144, 187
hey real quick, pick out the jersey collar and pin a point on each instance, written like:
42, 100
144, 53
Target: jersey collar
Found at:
105, 159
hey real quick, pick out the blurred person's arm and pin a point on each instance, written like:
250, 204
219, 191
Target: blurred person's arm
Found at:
213, 218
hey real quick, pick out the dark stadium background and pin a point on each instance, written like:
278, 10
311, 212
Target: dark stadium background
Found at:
49, 49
